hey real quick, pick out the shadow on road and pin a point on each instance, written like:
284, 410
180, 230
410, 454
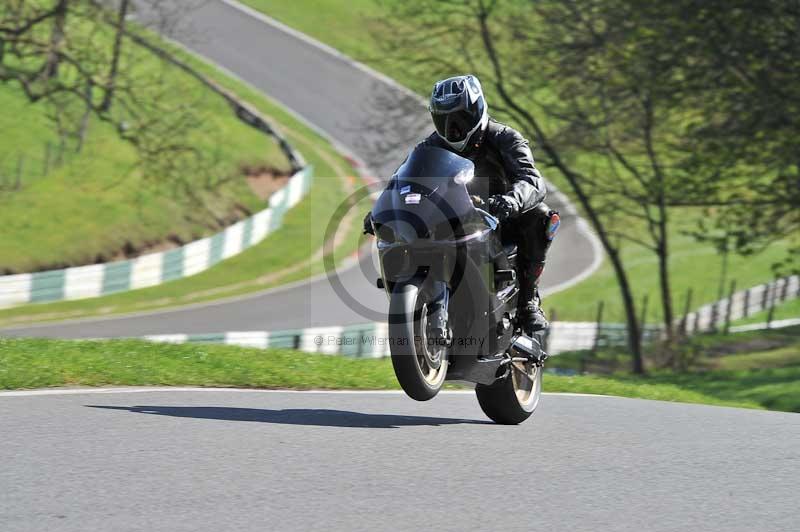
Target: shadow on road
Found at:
296, 416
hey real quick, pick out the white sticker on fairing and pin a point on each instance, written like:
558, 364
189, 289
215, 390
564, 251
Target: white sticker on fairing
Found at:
405, 190
413, 199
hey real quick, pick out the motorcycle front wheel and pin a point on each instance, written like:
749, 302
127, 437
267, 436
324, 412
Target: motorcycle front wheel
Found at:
514, 398
419, 364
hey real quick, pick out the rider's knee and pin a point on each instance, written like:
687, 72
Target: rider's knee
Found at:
541, 223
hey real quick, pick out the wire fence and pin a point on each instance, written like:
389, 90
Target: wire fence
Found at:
18, 170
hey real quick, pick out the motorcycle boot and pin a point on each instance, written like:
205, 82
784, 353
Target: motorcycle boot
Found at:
531, 317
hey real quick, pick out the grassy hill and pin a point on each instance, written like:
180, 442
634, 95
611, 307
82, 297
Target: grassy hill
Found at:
289, 254
98, 201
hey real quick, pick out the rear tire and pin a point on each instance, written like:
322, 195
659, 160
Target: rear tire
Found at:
420, 368
513, 399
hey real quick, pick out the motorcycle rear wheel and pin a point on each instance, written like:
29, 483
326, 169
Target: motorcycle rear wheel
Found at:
513, 399
420, 367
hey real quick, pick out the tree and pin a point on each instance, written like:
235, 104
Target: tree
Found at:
742, 59
569, 75
645, 108
56, 53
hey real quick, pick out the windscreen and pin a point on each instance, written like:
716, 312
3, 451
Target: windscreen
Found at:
430, 162
424, 199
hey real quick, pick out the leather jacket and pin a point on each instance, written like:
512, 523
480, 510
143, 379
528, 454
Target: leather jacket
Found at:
503, 165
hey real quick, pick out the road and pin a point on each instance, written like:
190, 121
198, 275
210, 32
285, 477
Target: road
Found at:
339, 98
252, 460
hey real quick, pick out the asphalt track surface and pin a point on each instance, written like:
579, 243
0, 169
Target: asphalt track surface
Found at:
249, 460
340, 99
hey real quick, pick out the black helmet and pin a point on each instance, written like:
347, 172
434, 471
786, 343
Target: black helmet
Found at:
458, 109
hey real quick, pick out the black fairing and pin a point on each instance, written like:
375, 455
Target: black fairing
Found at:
439, 234
443, 208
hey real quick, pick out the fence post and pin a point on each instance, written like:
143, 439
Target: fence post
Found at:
728, 311
686, 306
765, 296
546, 335
784, 289
599, 321
746, 302
697, 321
61, 147
772, 302
714, 315
643, 320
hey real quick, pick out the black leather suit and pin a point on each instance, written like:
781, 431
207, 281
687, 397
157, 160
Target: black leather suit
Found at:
504, 165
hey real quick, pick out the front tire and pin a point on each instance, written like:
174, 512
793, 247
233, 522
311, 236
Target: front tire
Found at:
513, 399
419, 366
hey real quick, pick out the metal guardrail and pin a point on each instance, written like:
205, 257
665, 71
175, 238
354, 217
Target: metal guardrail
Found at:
371, 340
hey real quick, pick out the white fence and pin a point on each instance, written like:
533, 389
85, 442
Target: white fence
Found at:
742, 304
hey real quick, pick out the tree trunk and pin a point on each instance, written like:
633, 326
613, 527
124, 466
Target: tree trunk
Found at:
115, 56
525, 117
664, 283
631, 321
659, 232
84, 125
56, 37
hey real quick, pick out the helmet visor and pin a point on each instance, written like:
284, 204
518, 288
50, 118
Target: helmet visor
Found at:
456, 125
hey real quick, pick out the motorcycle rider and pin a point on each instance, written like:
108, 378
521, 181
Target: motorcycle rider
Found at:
507, 183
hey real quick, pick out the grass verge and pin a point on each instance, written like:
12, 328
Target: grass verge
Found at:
755, 367
38, 363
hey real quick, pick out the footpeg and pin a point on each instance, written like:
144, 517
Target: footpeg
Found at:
529, 348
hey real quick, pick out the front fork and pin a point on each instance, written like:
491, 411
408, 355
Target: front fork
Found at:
438, 326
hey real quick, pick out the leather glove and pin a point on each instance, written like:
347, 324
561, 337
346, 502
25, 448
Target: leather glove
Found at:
501, 207
368, 224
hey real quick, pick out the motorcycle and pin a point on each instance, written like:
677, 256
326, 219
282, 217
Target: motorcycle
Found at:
453, 290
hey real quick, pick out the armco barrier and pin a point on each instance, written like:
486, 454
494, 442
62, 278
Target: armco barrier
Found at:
155, 268
369, 340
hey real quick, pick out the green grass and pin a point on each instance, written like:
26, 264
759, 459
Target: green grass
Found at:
42, 363
343, 25
665, 389
760, 367
349, 28
37, 363
98, 200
